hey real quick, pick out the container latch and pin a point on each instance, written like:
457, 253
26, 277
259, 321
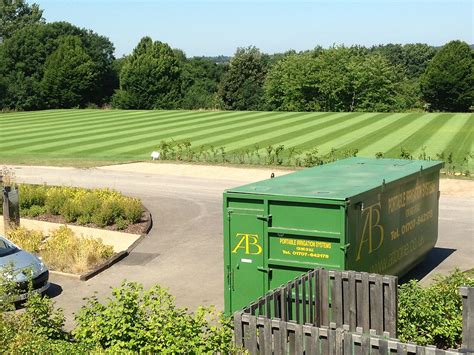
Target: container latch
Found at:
345, 247
265, 218
265, 269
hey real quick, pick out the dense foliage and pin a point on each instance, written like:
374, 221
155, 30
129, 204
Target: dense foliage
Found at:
62, 250
150, 78
132, 320
102, 207
58, 65
432, 314
448, 83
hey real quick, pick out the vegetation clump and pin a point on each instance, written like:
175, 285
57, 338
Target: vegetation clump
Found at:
102, 207
63, 250
432, 315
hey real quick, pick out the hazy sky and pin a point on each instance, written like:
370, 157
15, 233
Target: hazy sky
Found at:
214, 27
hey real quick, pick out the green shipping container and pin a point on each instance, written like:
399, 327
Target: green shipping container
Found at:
374, 215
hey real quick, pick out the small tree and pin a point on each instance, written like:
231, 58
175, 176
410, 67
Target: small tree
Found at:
448, 83
69, 75
150, 78
242, 86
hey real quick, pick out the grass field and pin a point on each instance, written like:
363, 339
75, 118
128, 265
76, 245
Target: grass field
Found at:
114, 135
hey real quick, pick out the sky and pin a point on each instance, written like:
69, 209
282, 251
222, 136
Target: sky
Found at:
212, 27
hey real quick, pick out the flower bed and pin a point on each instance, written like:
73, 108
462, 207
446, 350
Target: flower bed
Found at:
103, 208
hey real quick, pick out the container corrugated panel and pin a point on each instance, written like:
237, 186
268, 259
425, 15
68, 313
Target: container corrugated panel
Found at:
375, 215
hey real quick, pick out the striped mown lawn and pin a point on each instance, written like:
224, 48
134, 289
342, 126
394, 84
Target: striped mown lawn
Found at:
114, 135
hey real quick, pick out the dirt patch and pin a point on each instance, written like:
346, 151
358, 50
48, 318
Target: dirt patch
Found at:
457, 188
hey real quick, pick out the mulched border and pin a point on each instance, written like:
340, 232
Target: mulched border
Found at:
114, 258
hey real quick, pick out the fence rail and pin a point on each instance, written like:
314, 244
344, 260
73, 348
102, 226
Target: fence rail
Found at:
261, 335
334, 299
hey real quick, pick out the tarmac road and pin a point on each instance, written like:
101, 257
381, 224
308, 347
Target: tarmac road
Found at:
184, 250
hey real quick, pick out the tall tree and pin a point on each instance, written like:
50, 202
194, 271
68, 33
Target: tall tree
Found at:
69, 75
201, 77
150, 78
448, 83
336, 79
242, 86
16, 14
23, 56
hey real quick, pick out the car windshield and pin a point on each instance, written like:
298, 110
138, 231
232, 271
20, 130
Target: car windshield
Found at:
6, 248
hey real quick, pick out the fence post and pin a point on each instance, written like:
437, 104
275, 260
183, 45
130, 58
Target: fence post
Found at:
11, 212
467, 294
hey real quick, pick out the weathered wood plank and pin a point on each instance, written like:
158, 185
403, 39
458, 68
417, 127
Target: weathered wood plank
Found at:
267, 335
238, 339
336, 300
467, 294
376, 311
299, 346
251, 339
365, 310
324, 287
353, 301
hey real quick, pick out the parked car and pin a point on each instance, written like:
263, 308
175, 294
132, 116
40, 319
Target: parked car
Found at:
24, 267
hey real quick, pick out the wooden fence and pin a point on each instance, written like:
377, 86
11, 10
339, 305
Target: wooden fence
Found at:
261, 335
332, 312
467, 294
334, 299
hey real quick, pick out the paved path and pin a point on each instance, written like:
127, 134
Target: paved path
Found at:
183, 251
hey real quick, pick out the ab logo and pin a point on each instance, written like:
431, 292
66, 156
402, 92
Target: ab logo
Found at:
373, 232
249, 243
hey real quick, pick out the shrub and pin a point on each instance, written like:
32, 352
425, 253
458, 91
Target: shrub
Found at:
28, 240
432, 315
70, 211
65, 252
107, 214
132, 210
148, 321
55, 198
33, 211
32, 195
121, 223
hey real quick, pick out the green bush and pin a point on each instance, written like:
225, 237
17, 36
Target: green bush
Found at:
148, 321
432, 315
31, 195
103, 207
33, 211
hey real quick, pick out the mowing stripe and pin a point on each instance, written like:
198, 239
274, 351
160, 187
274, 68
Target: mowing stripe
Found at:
462, 143
146, 140
392, 138
279, 136
113, 137
317, 134
90, 129
98, 120
231, 134
361, 122
379, 133
86, 122
417, 139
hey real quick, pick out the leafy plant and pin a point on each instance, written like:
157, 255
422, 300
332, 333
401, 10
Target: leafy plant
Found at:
432, 315
148, 321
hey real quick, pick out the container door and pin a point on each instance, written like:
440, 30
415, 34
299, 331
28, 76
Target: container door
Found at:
246, 255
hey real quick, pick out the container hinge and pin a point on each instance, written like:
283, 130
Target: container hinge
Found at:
265, 218
228, 214
265, 269
345, 247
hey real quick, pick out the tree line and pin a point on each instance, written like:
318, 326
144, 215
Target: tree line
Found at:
59, 65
